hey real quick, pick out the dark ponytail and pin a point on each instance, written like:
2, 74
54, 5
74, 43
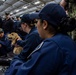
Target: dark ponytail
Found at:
67, 25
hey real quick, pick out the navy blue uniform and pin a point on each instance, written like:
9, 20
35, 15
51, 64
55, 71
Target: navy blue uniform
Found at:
16, 25
5, 46
52, 57
31, 41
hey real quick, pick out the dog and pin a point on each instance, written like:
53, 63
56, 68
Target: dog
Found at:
13, 37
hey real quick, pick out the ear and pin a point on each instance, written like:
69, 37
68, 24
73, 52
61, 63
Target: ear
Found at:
45, 24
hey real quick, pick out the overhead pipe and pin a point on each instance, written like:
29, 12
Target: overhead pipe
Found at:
28, 1
6, 4
18, 4
10, 1
29, 10
14, 5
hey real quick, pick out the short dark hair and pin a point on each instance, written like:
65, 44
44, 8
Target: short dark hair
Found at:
26, 19
7, 13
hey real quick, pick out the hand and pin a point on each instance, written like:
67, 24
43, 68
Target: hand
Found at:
16, 45
19, 39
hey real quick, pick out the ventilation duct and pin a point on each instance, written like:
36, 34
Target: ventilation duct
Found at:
28, 10
28, 1
18, 4
3, 7
6, 4
10, 1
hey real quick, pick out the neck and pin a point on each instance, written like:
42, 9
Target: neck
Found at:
28, 30
7, 18
49, 35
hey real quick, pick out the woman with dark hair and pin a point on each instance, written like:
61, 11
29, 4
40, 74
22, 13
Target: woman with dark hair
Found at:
32, 39
56, 55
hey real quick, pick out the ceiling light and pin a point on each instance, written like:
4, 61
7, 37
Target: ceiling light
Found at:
3, 0
37, 2
42, 4
11, 13
16, 10
24, 7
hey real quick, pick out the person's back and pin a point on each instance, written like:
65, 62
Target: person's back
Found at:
52, 57
60, 56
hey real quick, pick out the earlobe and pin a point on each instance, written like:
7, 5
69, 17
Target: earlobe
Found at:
45, 24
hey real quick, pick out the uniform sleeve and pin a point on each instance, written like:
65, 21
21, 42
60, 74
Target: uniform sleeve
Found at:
22, 42
9, 48
44, 61
31, 43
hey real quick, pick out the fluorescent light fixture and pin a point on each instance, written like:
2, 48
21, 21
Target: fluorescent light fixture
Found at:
16, 10
24, 7
42, 4
3, 0
11, 13
37, 2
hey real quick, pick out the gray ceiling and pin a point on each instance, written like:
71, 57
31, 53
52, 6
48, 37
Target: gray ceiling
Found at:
1, 2
18, 7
